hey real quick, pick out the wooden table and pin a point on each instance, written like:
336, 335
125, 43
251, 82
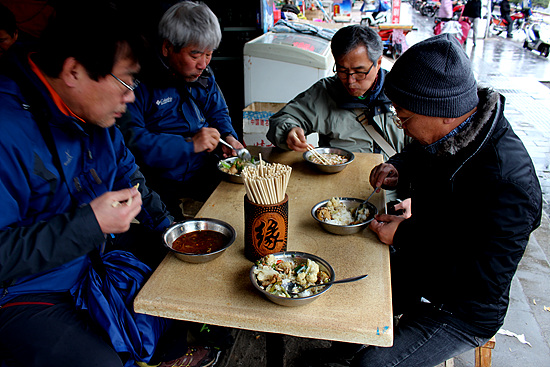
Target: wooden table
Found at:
220, 292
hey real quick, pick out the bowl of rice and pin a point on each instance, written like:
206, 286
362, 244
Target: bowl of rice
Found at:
331, 160
336, 215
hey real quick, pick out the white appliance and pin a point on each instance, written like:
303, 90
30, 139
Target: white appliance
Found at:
279, 66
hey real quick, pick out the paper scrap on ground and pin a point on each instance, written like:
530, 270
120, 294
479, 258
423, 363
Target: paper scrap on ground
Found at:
521, 337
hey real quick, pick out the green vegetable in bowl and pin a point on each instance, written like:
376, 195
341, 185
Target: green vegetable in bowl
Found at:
236, 167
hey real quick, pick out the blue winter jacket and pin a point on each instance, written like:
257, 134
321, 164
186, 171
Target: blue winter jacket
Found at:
166, 114
47, 226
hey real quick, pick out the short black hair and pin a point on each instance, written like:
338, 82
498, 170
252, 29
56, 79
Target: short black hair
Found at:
348, 38
7, 20
94, 33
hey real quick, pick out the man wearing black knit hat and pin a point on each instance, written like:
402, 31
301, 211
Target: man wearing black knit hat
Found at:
475, 200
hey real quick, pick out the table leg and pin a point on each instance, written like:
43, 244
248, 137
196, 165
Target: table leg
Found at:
275, 350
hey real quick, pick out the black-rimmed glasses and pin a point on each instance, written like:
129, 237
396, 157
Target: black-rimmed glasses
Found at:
128, 86
358, 75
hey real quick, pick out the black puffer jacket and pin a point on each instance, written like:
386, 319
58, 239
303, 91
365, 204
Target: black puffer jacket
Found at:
475, 203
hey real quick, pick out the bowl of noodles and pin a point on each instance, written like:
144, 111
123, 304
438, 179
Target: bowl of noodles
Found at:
329, 160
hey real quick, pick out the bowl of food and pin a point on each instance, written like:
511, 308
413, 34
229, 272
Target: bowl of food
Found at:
232, 167
274, 275
199, 240
329, 160
336, 215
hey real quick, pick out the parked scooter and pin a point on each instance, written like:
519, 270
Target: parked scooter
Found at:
430, 8
375, 12
372, 19
499, 25
538, 38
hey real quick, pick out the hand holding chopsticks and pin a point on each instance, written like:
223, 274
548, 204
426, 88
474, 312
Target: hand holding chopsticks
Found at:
317, 155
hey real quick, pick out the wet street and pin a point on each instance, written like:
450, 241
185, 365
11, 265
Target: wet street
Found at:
522, 76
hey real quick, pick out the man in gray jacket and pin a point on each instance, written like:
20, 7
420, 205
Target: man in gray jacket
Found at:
345, 108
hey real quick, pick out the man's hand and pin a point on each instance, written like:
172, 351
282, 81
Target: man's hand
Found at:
384, 226
206, 139
234, 143
384, 174
115, 210
296, 140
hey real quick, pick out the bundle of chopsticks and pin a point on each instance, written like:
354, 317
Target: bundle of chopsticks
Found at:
266, 183
317, 155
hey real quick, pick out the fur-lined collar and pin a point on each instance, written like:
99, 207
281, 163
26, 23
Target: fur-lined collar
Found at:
488, 103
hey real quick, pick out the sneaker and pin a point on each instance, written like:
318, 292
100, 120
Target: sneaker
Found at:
196, 356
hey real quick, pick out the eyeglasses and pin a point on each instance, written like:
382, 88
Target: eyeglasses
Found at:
396, 120
130, 87
359, 75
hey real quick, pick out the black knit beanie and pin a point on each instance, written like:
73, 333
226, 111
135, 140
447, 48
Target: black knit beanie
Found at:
433, 78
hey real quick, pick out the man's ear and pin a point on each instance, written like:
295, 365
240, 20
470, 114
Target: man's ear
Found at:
71, 73
379, 62
166, 48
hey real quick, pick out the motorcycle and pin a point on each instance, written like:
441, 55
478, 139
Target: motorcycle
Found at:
458, 8
375, 12
430, 8
499, 25
538, 38
371, 19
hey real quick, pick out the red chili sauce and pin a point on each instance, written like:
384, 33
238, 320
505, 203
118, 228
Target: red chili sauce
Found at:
199, 242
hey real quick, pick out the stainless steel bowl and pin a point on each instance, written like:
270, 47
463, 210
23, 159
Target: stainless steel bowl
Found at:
302, 257
350, 203
328, 168
193, 225
230, 177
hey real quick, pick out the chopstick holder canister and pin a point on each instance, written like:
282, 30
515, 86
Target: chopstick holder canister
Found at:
265, 228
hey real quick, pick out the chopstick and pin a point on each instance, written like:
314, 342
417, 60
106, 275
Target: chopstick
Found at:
266, 183
317, 155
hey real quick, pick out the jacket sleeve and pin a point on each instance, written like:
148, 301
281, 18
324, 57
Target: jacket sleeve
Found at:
153, 211
308, 110
217, 112
47, 244
152, 147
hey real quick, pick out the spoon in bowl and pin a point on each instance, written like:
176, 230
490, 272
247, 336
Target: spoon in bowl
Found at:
363, 205
243, 153
289, 286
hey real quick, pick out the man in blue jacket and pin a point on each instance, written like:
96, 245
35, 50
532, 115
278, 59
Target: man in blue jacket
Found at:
67, 183
180, 114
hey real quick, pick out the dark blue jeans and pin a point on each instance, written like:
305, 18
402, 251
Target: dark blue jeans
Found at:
423, 338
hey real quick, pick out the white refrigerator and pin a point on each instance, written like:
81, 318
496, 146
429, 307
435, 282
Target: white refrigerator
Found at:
279, 66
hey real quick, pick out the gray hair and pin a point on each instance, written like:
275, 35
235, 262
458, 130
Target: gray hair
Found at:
190, 23
348, 38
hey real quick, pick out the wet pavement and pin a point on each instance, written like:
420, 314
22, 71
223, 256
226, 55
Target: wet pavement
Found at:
517, 74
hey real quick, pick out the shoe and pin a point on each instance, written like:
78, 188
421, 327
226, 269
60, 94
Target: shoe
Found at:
196, 356
211, 335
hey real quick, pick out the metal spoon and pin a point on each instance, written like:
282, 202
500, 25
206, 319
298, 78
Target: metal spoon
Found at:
363, 205
243, 153
291, 285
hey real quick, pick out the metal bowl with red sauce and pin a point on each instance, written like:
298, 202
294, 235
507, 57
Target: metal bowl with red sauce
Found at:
199, 240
